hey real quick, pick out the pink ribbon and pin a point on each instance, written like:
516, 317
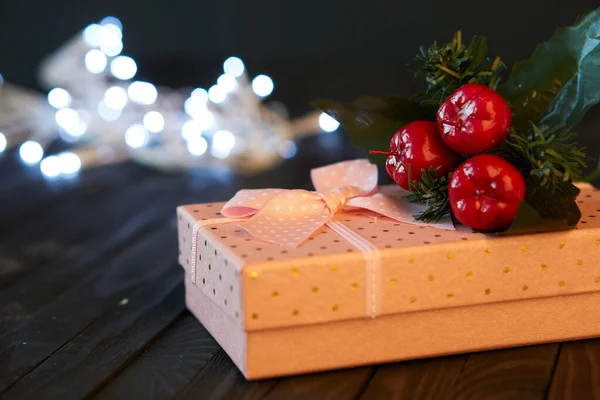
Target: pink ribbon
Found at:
289, 217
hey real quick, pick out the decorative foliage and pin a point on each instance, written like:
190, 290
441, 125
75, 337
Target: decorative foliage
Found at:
432, 191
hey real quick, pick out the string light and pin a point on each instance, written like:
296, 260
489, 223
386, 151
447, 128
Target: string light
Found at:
233, 66
107, 113
3, 142
67, 118
154, 121
227, 82
222, 143
95, 61
115, 98
50, 167
288, 149
191, 129
59, 98
69, 162
136, 136
31, 152
217, 94
327, 123
143, 93
197, 146
92, 34
123, 67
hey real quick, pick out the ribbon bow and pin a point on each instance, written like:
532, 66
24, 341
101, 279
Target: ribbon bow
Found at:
289, 217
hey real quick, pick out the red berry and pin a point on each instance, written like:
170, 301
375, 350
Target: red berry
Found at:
474, 119
485, 192
419, 146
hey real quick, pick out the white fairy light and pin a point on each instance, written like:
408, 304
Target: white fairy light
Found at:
115, 98
142, 92
110, 40
95, 61
217, 94
327, 123
50, 167
59, 98
206, 120
222, 143
123, 67
107, 113
197, 146
288, 149
91, 35
154, 121
201, 93
69, 162
233, 66
31, 152
77, 130
136, 136
195, 106
227, 82
114, 21
67, 118
191, 129
3, 142
262, 85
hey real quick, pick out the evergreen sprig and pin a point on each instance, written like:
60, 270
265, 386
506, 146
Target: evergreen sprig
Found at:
552, 156
447, 67
432, 190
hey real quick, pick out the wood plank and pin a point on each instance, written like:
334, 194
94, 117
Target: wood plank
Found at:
577, 374
419, 379
517, 373
220, 379
167, 365
29, 344
335, 385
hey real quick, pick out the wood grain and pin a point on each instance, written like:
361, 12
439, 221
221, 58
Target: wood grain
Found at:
577, 374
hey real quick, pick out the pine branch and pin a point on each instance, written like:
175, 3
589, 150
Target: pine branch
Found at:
448, 67
432, 190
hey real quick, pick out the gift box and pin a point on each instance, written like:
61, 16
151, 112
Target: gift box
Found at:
365, 288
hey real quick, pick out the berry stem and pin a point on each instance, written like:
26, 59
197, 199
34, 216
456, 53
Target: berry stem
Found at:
383, 153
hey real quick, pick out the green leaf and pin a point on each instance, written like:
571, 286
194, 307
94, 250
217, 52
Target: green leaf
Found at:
545, 210
372, 121
561, 80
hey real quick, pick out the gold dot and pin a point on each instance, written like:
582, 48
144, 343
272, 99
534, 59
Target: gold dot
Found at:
597, 242
488, 291
411, 260
254, 275
315, 290
225, 301
354, 286
450, 295
393, 281
561, 283
295, 311
431, 278
204, 281
450, 256
598, 279
579, 263
561, 245
524, 249
506, 270
335, 307
295, 271
275, 294
334, 267
254, 316
469, 274
525, 287
412, 299
237, 314
209, 267
544, 267
215, 291
487, 252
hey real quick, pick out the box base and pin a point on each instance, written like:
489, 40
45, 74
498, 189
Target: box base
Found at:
343, 344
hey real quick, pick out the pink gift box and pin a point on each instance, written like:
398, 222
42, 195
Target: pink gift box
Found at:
324, 305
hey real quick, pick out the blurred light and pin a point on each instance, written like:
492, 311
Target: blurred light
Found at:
67, 118
222, 143
142, 92
77, 130
200, 93
112, 21
123, 67
50, 166
107, 113
191, 129
197, 145
59, 98
95, 61
92, 34
227, 82
194, 106
262, 85
217, 94
3, 142
136, 136
233, 66
154, 121
288, 149
110, 40
1, 80
327, 123
70, 163
115, 98
31, 152
206, 120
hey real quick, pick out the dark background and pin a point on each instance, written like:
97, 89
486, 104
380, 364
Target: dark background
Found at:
312, 48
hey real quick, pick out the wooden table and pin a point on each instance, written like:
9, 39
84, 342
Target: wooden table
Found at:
91, 302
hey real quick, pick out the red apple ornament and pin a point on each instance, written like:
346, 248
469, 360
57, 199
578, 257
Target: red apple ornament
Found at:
485, 192
474, 119
419, 146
